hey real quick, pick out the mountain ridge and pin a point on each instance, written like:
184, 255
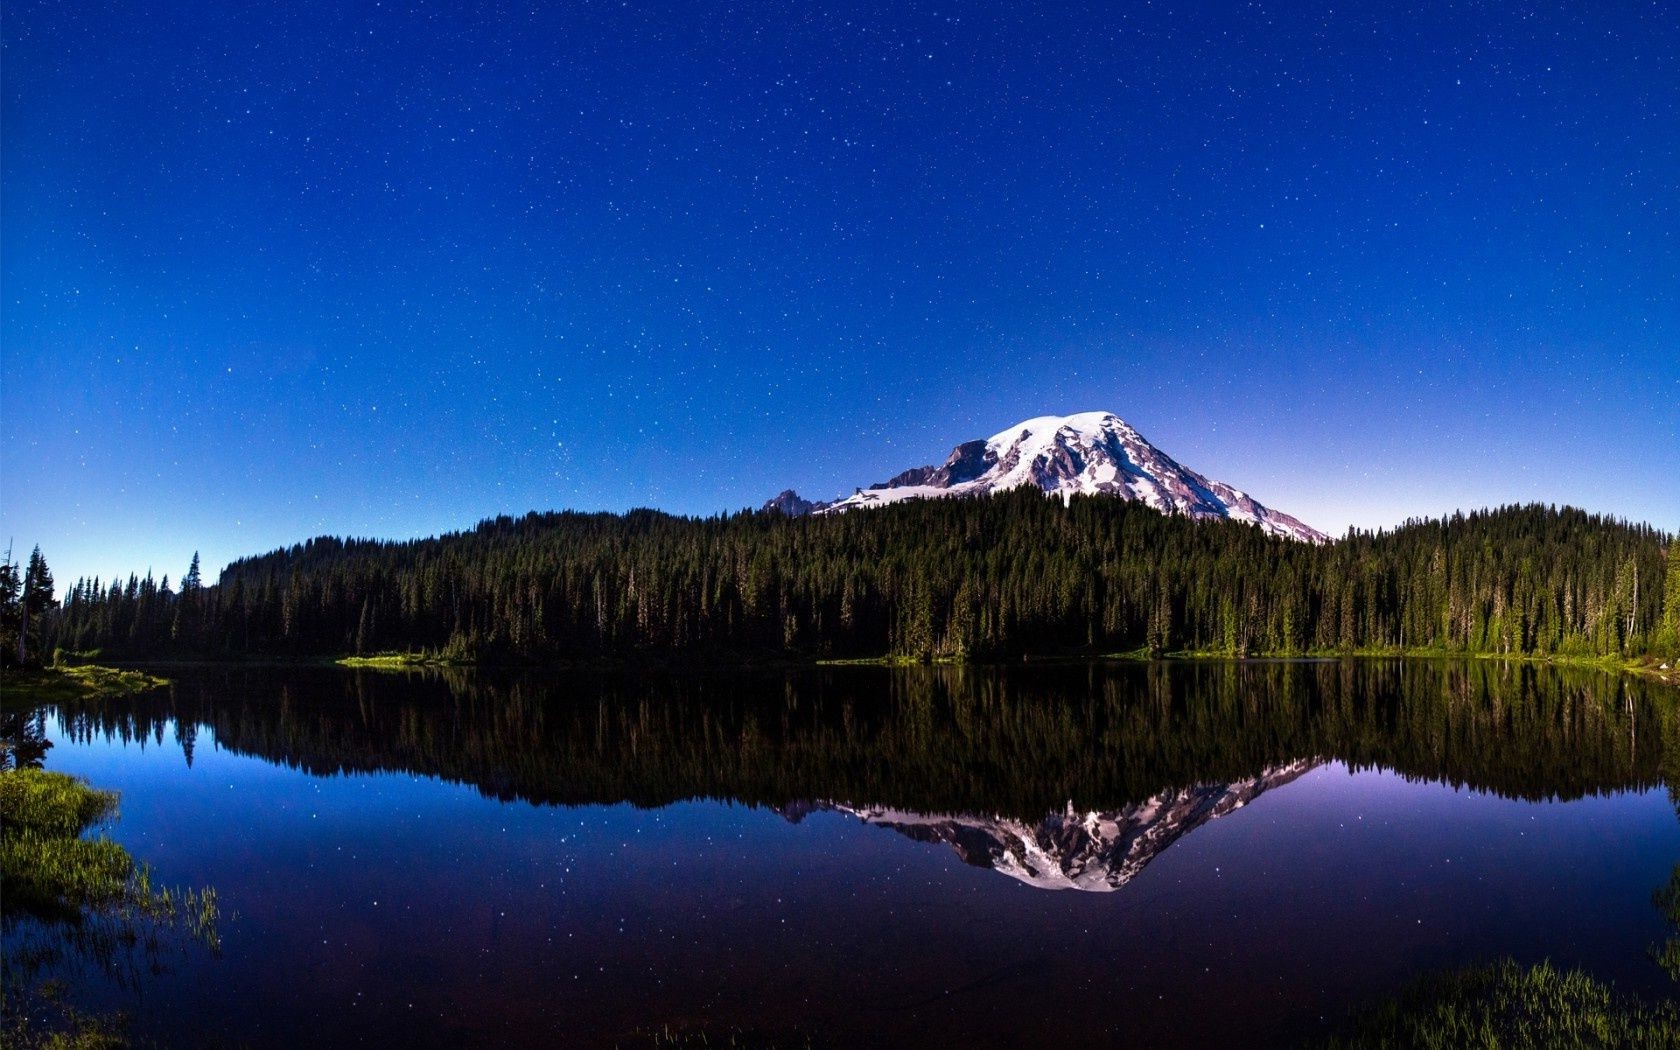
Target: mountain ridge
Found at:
1096, 851
1086, 453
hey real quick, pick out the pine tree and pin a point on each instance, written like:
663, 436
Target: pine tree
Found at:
978, 579
184, 627
1671, 601
11, 609
38, 599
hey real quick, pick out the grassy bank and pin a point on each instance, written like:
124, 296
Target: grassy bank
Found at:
1655, 668
650, 661
1662, 668
1506, 1005
397, 661
48, 685
70, 900
1652, 667
881, 661
53, 871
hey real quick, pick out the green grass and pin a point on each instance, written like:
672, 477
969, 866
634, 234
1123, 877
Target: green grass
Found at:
37, 803
397, 661
28, 688
1648, 666
49, 870
1506, 1005
65, 897
1642, 665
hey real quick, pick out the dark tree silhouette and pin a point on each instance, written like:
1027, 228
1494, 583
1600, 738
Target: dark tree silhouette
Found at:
992, 578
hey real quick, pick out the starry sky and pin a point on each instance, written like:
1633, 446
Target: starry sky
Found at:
384, 269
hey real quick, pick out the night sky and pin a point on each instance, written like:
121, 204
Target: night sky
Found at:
279, 270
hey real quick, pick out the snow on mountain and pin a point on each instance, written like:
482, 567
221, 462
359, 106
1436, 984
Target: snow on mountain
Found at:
1095, 851
1088, 453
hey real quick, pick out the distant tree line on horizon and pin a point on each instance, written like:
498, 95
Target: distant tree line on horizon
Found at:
992, 578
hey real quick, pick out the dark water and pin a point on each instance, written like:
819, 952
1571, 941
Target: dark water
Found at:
1156, 855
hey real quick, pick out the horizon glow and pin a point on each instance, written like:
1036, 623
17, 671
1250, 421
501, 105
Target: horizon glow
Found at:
387, 270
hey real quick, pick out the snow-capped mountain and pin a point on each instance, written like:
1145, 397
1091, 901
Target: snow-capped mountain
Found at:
1079, 850
1087, 453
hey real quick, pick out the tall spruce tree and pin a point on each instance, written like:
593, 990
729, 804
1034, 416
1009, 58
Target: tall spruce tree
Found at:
38, 599
184, 628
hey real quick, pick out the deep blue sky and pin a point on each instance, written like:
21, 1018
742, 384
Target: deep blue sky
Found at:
385, 269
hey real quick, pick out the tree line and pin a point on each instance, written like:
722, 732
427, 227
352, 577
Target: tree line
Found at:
27, 599
1011, 575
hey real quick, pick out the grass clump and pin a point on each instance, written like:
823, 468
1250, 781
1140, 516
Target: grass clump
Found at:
111, 681
1505, 1005
39, 804
49, 871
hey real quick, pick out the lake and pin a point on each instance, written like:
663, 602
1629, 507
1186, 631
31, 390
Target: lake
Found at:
1183, 854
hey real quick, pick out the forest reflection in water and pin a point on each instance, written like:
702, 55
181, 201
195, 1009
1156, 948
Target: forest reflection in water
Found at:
1020, 742
322, 802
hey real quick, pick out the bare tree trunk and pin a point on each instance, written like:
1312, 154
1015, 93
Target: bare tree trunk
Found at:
1633, 610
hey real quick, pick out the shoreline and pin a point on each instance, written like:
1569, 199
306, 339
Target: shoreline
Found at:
1648, 668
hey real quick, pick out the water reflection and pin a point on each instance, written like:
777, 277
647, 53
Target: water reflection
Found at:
1058, 777
23, 739
1093, 850
398, 908
1025, 743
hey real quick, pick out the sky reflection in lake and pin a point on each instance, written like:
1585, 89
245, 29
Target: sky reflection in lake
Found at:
402, 907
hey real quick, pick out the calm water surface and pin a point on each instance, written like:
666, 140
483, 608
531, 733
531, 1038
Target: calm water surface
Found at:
1170, 855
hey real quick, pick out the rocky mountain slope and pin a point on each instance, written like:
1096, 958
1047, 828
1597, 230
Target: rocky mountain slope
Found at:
1089, 850
1090, 453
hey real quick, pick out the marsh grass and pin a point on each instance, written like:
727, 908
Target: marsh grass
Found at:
50, 871
68, 901
1507, 1005
38, 803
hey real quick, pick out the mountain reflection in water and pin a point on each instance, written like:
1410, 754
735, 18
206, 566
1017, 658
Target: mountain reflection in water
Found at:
1098, 851
1060, 777
778, 851
1019, 742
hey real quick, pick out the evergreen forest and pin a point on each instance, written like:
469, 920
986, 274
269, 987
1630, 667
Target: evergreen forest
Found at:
1000, 578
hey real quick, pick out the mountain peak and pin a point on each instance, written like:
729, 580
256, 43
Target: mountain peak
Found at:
1086, 453
789, 502
1082, 422
1091, 850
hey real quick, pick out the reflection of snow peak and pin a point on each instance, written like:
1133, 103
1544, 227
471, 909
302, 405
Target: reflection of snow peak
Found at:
1089, 453
1097, 851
